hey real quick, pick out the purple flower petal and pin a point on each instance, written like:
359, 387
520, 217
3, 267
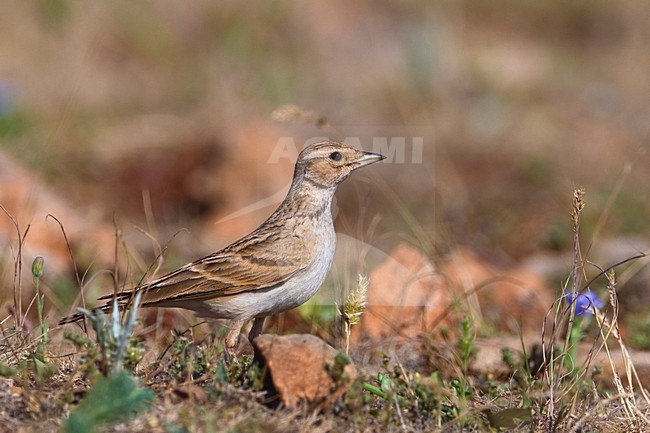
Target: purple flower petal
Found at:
586, 303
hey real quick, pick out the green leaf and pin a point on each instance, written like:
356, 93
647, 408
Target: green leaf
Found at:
221, 373
7, 371
110, 400
373, 389
508, 418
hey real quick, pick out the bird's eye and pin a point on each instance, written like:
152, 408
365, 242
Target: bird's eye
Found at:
336, 156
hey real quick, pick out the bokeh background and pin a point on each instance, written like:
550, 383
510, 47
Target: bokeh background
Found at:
158, 115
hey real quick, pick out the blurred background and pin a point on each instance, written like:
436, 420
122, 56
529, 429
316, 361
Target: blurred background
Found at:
158, 116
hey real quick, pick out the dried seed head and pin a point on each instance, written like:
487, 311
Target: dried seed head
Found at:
578, 205
356, 302
293, 113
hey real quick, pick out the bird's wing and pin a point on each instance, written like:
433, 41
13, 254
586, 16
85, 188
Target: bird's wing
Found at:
252, 264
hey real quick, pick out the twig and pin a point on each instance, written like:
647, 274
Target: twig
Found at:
19, 318
74, 266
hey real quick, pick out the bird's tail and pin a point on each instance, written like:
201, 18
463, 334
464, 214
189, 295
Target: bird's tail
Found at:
78, 316
123, 301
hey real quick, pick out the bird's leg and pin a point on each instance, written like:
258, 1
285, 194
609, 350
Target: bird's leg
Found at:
233, 336
256, 329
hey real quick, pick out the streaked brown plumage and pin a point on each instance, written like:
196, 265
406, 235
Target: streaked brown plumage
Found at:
278, 266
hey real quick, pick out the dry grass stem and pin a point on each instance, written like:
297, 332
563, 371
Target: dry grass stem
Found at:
293, 113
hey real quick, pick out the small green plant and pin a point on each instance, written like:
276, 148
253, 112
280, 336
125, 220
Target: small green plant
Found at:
466, 351
520, 366
184, 360
116, 395
405, 393
7, 371
113, 336
465, 344
337, 369
37, 273
508, 419
240, 372
187, 360
37, 360
87, 352
109, 400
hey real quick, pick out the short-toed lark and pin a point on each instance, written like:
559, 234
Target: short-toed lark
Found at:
277, 267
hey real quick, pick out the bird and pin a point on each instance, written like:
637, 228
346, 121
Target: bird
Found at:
275, 268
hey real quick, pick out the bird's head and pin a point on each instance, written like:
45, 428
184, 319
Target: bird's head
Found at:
328, 163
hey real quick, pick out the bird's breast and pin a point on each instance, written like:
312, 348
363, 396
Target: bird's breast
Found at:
306, 282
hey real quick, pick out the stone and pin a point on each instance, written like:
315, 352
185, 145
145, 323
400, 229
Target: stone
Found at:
511, 299
303, 370
406, 296
409, 295
29, 201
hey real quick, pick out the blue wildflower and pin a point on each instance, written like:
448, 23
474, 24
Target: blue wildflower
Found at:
586, 303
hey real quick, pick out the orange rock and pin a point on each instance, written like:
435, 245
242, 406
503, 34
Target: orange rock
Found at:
408, 295
405, 296
302, 369
511, 299
29, 202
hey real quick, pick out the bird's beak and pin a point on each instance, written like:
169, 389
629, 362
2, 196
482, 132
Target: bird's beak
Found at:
369, 158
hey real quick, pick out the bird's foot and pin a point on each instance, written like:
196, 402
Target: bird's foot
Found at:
232, 339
